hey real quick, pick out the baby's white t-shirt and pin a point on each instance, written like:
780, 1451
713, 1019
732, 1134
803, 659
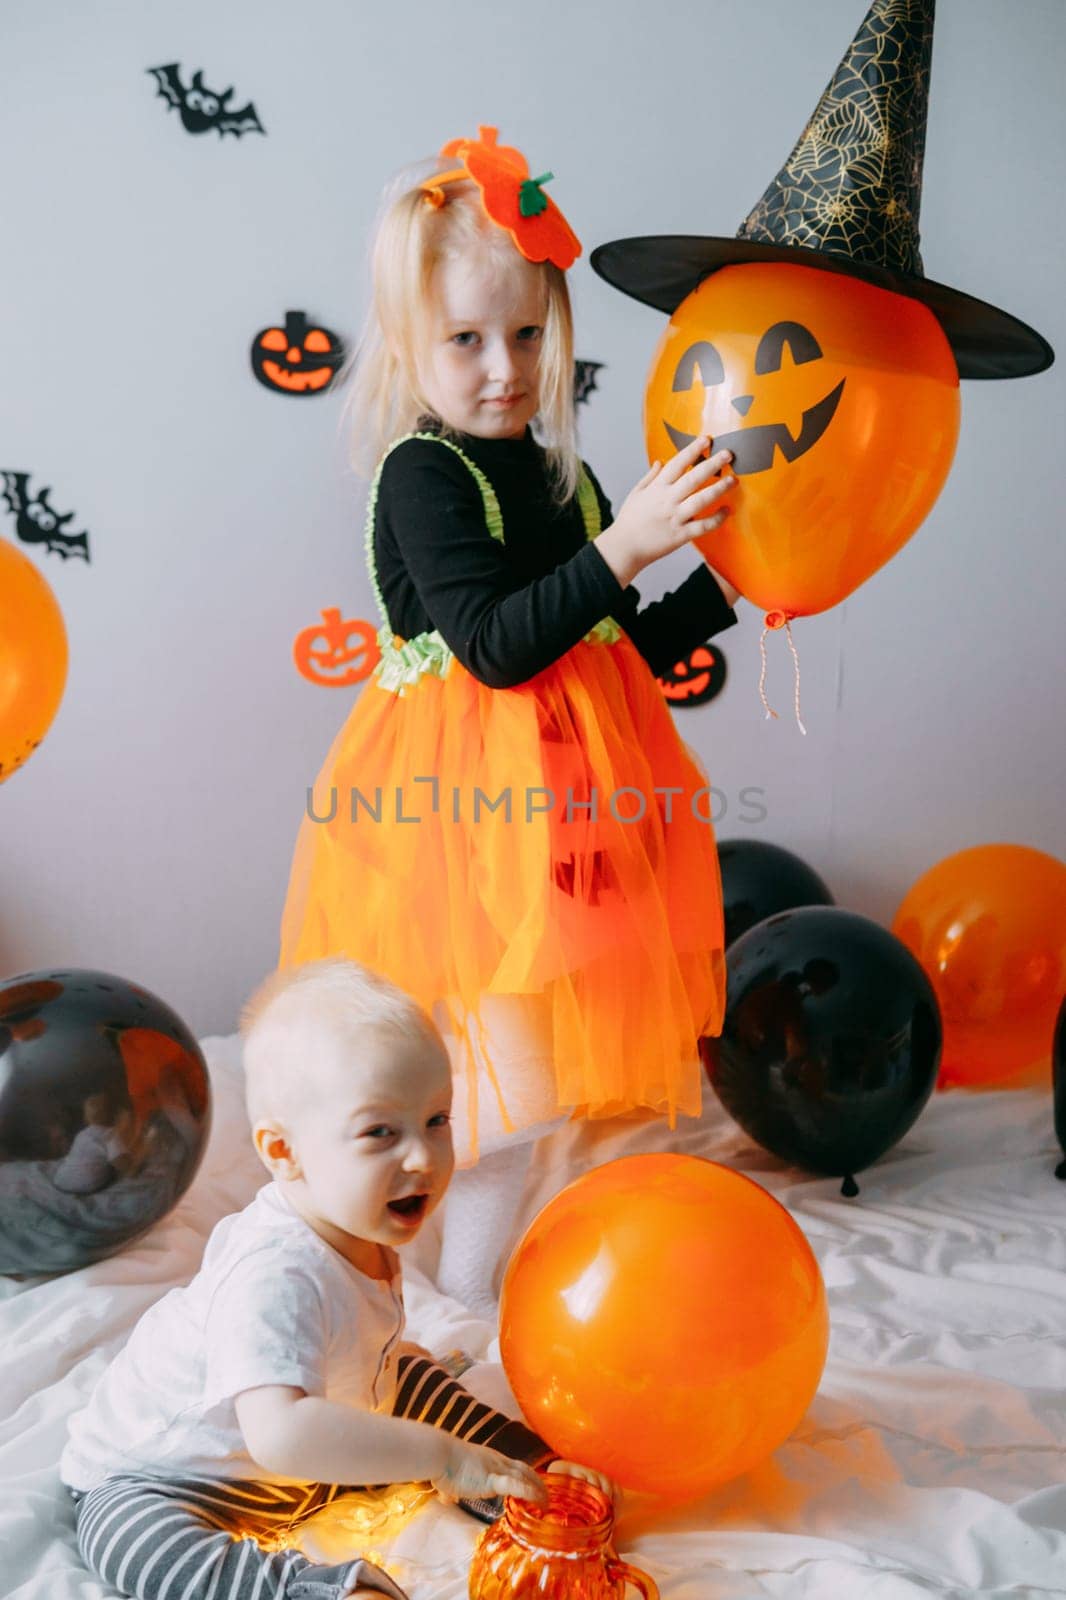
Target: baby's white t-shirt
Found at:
271, 1303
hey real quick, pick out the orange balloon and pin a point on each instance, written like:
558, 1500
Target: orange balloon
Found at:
33, 657
989, 927
664, 1320
840, 402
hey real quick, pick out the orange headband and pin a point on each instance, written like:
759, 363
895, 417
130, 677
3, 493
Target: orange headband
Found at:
512, 199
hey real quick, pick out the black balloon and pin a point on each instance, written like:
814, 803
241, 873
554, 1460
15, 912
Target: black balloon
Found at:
104, 1114
831, 1040
759, 879
1058, 1071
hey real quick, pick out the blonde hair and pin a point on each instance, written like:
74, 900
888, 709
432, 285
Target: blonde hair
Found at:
285, 1017
409, 238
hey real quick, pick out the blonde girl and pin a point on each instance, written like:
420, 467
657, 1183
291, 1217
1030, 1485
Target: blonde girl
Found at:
508, 825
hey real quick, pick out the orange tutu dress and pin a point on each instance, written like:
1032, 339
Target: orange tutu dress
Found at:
549, 842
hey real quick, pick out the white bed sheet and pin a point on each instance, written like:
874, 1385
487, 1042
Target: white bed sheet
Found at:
932, 1461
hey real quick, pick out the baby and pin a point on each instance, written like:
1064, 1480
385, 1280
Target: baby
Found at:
250, 1399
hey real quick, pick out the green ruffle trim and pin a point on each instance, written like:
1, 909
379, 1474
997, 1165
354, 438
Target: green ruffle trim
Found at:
405, 662
607, 630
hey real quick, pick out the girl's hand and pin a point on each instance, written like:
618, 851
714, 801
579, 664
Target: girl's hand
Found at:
669, 506
476, 1472
574, 1469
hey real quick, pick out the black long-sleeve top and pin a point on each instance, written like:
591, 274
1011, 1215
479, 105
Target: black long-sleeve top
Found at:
507, 610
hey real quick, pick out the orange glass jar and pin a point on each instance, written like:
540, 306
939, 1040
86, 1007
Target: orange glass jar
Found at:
558, 1551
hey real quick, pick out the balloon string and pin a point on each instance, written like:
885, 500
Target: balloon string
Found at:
796, 667
770, 712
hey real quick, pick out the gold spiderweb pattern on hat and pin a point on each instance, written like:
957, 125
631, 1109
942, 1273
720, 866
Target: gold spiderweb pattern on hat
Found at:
853, 182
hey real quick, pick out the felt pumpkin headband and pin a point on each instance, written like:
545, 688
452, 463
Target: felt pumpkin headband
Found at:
512, 199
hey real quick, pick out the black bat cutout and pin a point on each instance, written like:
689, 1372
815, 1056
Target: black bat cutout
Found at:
585, 379
202, 109
37, 523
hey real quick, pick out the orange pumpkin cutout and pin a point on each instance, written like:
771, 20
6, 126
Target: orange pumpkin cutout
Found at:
323, 654
696, 678
299, 359
840, 403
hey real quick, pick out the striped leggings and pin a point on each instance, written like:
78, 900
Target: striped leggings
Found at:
196, 1538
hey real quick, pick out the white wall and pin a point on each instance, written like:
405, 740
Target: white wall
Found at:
150, 835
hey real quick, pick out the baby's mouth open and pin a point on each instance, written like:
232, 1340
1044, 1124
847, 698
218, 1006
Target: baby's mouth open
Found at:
411, 1209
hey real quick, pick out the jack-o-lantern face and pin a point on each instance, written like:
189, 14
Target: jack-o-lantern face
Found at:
299, 359
754, 447
840, 404
696, 678
325, 652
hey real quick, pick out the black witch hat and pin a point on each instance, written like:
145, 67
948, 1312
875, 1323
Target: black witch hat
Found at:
847, 200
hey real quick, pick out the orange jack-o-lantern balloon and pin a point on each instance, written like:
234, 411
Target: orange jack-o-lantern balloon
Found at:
840, 403
33, 657
336, 652
989, 926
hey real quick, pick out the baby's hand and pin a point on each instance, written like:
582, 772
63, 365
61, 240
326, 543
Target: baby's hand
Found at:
574, 1469
476, 1472
669, 506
